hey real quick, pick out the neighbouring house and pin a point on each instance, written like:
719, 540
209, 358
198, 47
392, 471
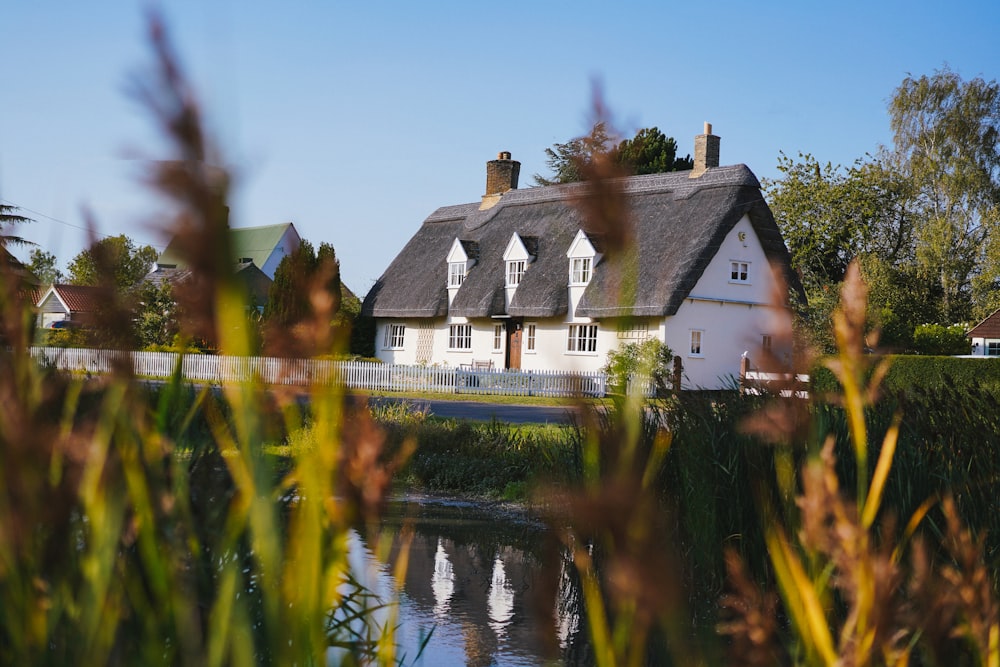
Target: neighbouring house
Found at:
67, 305
521, 280
264, 246
985, 336
255, 283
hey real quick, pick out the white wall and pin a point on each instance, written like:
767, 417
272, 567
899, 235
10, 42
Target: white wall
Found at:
733, 316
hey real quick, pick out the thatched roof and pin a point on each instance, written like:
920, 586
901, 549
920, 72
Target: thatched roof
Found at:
679, 223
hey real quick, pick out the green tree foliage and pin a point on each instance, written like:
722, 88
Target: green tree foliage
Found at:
940, 340
830, 215
307, 284
42, 265
947, 136
156, 317
9, 217
649, 152
116, 258
565, 160
288, 301
922, 216
649, 359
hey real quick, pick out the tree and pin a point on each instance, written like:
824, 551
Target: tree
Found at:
115, 258
9, 216
651, 152
156, 317
565, 160
306, 284
829, 215
42, 265
946, 133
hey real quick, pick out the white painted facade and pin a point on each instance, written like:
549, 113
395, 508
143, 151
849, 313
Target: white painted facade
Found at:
728, 312
985, 347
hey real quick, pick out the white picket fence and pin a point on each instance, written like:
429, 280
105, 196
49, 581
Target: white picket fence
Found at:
757, 382
367, 375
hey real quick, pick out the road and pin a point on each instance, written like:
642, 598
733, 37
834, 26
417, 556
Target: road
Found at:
476, 411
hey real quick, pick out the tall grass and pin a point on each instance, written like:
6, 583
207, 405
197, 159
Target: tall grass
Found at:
139, 530
167, 529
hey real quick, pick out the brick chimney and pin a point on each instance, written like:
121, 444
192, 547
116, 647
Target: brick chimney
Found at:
706, 151
501, 174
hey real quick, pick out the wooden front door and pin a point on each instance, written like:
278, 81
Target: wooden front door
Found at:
514, 332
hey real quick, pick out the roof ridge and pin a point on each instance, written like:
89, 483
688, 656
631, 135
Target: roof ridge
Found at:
679, 182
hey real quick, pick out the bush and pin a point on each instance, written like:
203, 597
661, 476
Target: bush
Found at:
649, 359
939, 339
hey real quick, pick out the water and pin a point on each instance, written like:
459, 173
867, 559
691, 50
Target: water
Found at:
475, 581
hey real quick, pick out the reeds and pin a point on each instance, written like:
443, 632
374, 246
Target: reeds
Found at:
857, 590
156, 529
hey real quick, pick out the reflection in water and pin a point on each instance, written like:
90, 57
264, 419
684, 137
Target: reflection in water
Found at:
567, 604
501, 600
470, 579
443, 581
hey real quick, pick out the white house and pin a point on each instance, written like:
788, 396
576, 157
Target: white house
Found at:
985, 336
524, 280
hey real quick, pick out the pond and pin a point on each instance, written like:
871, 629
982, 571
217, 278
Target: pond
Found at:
476, 580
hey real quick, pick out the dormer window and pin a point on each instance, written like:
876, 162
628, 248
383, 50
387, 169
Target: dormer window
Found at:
460, 259
518, 254
582, 257
456, 274
515, 271
581, 270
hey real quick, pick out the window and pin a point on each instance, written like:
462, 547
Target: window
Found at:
580, 273
765, 343
460, 337
993, 348
515, 271
498, 332
739, 272
456, 274
633, 331
696, 343
529, 337
394, 336
582, 338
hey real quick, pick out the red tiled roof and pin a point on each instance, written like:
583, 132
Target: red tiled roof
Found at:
79, 298
988, 328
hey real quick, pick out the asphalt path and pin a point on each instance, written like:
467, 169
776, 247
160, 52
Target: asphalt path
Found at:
476, 411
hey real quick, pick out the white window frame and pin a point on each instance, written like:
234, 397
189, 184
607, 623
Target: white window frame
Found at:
456, 274
696, 347
766, 342
498, 335
636, 331
580, 270
992, 348
582, 339
530, 338
515, 272
395, 336
739, 272
460, 337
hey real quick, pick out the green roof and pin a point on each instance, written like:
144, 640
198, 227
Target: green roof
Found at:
257, 243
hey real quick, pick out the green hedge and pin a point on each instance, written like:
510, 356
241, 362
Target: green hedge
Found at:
925, 372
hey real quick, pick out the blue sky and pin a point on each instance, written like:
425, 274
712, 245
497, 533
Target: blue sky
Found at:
356, 120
